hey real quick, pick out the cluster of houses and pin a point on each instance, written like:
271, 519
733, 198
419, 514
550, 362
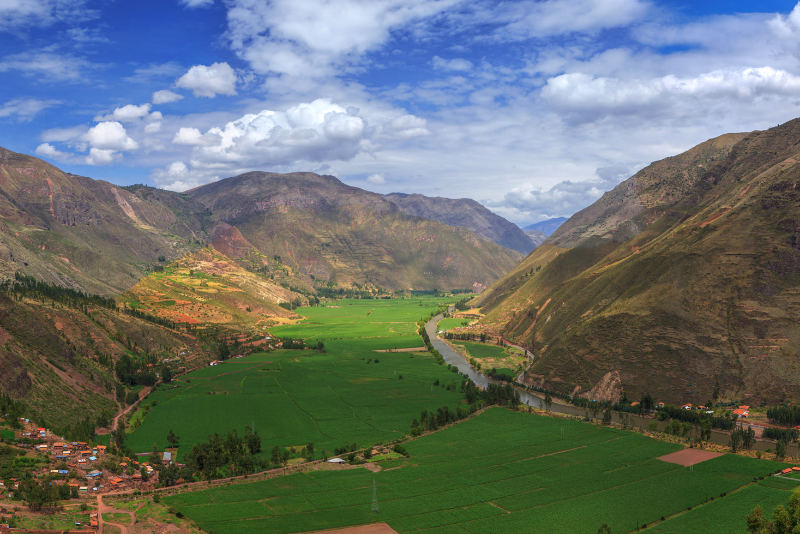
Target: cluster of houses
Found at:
82, 466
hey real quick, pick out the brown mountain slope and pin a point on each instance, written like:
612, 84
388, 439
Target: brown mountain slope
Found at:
467, 213
85, 233
337, 233
685, 276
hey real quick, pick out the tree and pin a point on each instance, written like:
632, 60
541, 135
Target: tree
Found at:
166, 374
604, 529
607, 416
252, 440
275, 457
780, 449
548, 401
172, 439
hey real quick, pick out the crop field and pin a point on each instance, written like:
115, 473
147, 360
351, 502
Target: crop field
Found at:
348, 394
505, 359
452, 322
727, 515
501, 471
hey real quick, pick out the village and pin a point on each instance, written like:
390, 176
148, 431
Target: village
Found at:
87, 470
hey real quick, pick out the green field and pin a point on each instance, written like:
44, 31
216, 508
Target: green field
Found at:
502, 471
727, 515
507, 360
452, 322
347, 394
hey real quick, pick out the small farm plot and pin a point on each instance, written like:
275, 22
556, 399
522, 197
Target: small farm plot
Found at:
501, 471
347, 394
505, 360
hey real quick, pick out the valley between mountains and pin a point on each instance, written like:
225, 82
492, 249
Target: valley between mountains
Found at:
278, 334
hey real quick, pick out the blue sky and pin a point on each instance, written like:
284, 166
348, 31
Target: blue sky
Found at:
534, 108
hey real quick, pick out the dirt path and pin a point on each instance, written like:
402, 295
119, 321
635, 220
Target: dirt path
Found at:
142, 395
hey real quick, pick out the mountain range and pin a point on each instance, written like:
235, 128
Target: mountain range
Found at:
95, 272
682, 282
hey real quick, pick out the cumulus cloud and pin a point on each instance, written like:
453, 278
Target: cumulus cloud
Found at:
129, 112
49, 151
99, 156
25, 109
314, 131
308, 135
209, 81
152, 127
787, 26
376, 179
188, 136
165, 96
110, 135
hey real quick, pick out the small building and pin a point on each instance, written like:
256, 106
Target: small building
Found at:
336, 461
166, 458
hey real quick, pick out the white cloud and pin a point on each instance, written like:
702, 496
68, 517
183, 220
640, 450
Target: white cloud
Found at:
787, 26
539, 19
314, 131
18, 14
457, 64
130, 112
153, 127
110, 135
585, 97
25, 109
46, 63
49, 151
209, 81
197, 3
188, 136
313, 38
376, 179
406, 126
99, 156
165, 96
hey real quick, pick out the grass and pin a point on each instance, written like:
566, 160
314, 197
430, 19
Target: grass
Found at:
502, 471
347, 394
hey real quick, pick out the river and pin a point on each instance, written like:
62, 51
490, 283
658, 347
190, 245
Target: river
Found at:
529, 399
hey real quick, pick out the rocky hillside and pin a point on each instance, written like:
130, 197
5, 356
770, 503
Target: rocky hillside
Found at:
683, 278
337, 234
467, 213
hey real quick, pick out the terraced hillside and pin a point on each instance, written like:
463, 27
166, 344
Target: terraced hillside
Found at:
683, 281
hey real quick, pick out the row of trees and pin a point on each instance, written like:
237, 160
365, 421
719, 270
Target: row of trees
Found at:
784, 415
229, 455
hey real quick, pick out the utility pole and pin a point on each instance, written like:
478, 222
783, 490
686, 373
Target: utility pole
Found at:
374, 497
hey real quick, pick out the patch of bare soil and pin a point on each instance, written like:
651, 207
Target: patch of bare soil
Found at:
688, 457
374, 528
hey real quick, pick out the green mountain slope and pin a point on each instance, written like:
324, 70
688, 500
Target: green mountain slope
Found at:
684, 277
